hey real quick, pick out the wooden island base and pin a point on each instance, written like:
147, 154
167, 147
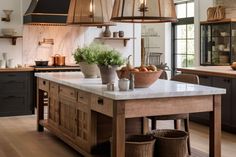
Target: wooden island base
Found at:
85, 119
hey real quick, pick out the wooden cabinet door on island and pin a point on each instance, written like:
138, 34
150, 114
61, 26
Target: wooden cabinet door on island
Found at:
83, 121
82, 130
53, 105
67, 116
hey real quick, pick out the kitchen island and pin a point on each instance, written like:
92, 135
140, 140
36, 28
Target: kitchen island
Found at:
222, 77
75, 105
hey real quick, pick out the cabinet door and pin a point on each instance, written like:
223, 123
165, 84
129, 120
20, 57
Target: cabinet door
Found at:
206, 44
53, 105
226, 99
67, 116
233, 111
83, 119
222, 40
202, 117
53, 110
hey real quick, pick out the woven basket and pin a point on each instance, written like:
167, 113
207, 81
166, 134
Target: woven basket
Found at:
170, 143
139, 146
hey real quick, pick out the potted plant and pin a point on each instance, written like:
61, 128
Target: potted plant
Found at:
86, 57
108, 61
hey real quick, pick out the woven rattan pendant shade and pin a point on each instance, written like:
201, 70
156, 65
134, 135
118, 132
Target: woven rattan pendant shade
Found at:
90, 12
144, 11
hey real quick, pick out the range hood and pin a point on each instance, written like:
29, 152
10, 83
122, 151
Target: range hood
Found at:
47, 12
63, 12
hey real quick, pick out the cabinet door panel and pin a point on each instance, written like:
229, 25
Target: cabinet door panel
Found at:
13, 105
202, 117
53, 110
67, 116
233, 111
83, 119
226, 99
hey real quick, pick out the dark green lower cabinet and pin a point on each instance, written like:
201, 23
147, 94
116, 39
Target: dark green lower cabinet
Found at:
222, 82
233, 105
228, 102
202, 118
16, 93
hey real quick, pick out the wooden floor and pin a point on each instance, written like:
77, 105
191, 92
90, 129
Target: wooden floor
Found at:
18, 138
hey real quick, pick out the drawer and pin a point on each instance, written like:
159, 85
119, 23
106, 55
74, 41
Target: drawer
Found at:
13, 86
43, 84
102, 105
14, 76
14, 105
83, 97
54, 88
68, 92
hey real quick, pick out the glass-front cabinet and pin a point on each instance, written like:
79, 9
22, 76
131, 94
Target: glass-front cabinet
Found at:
218, 43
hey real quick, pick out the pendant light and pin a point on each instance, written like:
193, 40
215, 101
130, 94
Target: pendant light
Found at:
144, 11
90, 12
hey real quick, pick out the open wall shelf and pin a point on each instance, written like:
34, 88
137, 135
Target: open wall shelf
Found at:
125, 40
13, 38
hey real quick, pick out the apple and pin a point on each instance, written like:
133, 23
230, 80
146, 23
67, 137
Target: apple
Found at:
143, 69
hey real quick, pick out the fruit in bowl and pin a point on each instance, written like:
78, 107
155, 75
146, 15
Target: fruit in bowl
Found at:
144, 76
233, 65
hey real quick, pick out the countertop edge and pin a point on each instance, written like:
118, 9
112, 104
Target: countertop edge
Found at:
101, 90
223, 72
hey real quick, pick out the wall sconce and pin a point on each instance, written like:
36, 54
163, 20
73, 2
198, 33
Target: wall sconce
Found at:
8, 13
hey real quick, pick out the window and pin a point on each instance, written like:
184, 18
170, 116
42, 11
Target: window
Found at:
183, 36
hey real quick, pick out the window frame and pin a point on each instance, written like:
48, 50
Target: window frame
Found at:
181, 21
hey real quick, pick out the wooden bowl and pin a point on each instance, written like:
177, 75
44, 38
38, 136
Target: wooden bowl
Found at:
141, 79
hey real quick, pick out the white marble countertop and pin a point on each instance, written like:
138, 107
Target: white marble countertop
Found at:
160, 89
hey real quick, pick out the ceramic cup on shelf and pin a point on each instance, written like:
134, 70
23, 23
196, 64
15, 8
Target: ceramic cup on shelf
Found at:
115, 34
4, 56
2, 63
10, 63
121, 34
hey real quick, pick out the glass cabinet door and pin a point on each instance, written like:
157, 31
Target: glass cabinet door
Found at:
206, 44
233, 42
221, 44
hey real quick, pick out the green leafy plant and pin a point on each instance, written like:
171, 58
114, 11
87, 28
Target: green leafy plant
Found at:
109, 58
88, 54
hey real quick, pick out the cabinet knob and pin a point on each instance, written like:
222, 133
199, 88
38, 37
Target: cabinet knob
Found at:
100, 101
44, 82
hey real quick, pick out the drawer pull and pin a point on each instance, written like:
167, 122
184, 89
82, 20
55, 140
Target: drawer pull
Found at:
81, 97
10, 97
12, 75
44, 82
100, 101
71, 94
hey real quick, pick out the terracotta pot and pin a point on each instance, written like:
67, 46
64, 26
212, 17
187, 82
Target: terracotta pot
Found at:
89, 70
108, 73
58, 60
